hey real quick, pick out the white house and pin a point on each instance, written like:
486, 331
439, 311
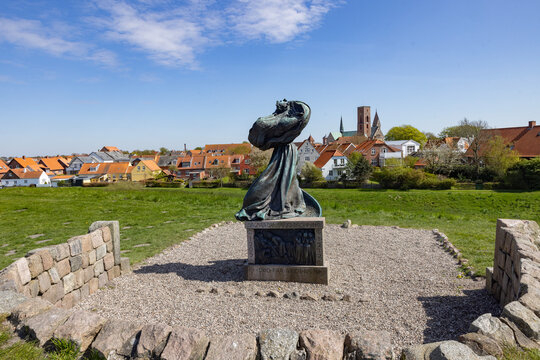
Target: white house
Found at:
306, 153
77, 162
332, 164
407, 147
25, 177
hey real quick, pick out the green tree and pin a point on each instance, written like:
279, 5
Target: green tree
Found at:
310, 173
163, 151
358, 168
239, 150
406, 132
220, 173
465, 129
498, 156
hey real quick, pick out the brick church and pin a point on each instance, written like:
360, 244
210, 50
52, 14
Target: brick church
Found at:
365, 128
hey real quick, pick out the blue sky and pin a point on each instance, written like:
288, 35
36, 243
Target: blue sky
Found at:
75, 76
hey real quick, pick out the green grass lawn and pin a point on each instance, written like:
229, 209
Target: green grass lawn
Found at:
159, 218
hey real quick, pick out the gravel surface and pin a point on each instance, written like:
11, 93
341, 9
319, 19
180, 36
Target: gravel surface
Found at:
399, 280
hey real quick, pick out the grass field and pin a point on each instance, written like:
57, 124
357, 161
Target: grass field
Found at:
158, 218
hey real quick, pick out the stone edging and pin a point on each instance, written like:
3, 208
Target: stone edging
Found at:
37, 318
450, 248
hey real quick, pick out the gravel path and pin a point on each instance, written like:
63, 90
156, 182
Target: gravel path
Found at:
399, 280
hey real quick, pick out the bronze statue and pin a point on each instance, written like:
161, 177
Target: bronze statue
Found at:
275, 194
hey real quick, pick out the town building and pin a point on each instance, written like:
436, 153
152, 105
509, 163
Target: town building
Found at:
332, 164
25, 177
377, 152
364, 127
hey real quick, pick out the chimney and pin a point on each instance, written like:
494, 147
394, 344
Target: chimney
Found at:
532, 124
24, 157
185, 148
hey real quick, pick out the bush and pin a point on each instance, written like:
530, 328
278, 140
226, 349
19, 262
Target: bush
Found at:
164, 184
463, 172
407, 178
524, 175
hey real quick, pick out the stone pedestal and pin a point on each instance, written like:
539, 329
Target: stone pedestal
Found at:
286, 250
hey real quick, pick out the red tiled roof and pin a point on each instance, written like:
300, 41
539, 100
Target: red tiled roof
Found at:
52, 163
3, 167
525, 139
26, 162
118, 168
109, 148
101, 168
22, 174
325, 157
151, 165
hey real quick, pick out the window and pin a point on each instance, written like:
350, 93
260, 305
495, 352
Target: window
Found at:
306, 158
335, 161
340, 172
247, 161
138, 168
144, 167
410, 149
373, 151
384, 150
331, 172
374, 162
342, 161
26, 181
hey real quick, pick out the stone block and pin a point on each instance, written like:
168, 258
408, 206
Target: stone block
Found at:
293, 273
524, 318
69, 300
114, 272
29, 308
108, 261
97, 238
109, 247
453, 350
277, 344
80, 328
75, 262
113, 228
79, 278
32, 288
508, 265
152, 341
101, 251
42, 326
93, 285
85, 291
10, 300
44, 281
86, 243
322, 344
63, 267
54, 294
481, 344
69, 283
46, 259
92, 257
531, 301
99, 268
125, 267
103, 279
35, 265
241, 346
85, 260
55, 277
507, 242
113, 337
369, 345
23, 271
521, 339
75, 246
61, 252
88, 273
489, 279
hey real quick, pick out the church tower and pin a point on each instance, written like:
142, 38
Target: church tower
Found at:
341, 129
376, 132
364, 121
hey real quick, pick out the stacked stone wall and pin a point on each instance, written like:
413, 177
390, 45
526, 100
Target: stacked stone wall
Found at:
516, 266
64, 274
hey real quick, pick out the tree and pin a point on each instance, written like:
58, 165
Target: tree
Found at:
259, 159
406, 132
465, 129
358, 168
498, 157
239, 150
163, 150
310, 173
430, 135
220, 173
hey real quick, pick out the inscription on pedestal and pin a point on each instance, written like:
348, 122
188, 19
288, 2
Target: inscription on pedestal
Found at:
285, 246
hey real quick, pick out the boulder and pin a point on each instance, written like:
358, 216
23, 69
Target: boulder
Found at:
42, 326
522, 340
494, 328
531, 301
10, 300
419, 352
322, 344
29, 308
55, 293
370, 345
186, 344
152, 340
453, 350
481, 344
238, 347
277, 344
113, 336
81, 328
524, 318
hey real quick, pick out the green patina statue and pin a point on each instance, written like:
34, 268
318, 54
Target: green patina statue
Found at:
275, 194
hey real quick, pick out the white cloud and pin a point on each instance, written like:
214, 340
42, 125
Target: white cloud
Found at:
32, 34
168, 39
277, 20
